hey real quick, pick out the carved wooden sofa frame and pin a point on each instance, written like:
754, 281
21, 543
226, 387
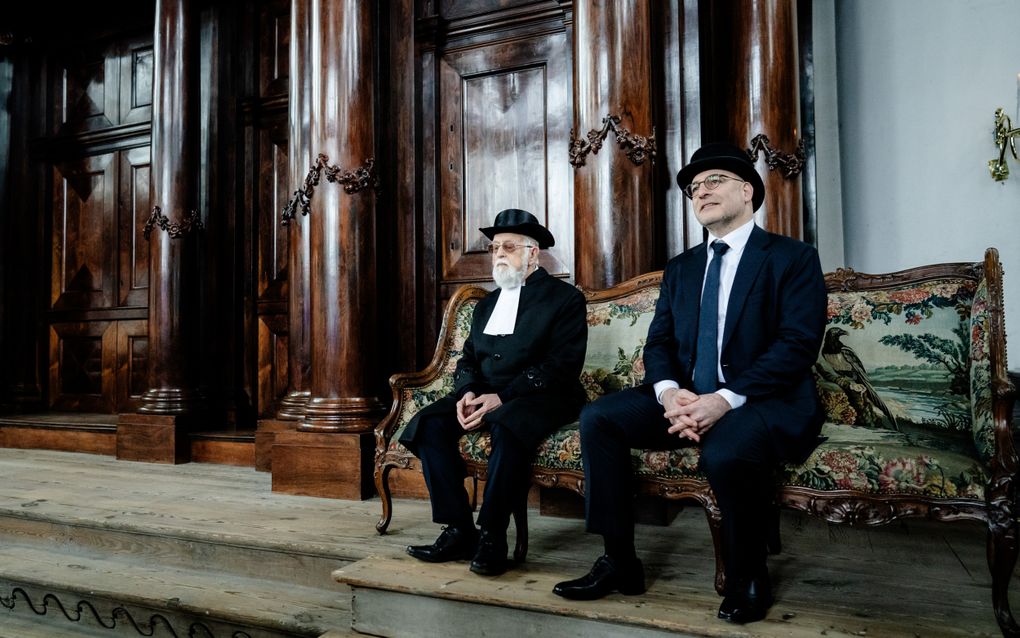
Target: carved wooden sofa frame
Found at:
984, 492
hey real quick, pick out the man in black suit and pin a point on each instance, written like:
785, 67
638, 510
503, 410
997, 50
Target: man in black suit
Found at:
518, 377
728, 358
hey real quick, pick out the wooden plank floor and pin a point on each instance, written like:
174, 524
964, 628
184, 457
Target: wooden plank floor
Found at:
834, 580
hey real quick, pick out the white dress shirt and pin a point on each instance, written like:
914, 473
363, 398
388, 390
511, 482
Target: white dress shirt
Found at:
736, 240
504, 315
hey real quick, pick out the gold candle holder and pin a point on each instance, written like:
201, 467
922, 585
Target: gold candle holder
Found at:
1005, 136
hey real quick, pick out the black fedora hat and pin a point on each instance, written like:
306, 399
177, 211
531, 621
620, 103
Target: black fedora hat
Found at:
729, 158
521, 222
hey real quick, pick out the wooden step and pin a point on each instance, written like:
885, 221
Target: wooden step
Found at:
152, 594
399, 596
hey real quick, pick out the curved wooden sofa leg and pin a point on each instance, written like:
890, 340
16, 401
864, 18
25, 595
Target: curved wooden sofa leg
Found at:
715, 525
521, 524
382, 488
1002, 556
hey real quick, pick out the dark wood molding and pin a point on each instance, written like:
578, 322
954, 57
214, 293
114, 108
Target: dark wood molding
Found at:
789, 164
175, 230
351, 181
636, 147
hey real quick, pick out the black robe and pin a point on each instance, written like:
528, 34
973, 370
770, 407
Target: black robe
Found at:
535, 371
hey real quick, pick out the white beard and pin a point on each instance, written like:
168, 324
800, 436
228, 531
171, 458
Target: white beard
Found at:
507, 277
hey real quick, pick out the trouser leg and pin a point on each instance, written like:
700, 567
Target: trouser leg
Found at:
610, 427
737, 457
444, 470
509, 477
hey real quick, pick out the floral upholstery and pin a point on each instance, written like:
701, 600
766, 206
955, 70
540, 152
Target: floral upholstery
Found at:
923, 351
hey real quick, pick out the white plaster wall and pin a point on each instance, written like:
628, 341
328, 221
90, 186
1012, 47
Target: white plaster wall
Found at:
918, 83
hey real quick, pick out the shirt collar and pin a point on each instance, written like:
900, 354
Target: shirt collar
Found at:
735, 239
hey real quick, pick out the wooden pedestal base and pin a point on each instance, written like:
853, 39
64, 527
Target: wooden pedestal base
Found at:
334, 465
265, 436
154, 438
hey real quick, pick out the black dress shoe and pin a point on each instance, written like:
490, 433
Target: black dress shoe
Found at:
606, 576
453, 544
490, 559
749, 604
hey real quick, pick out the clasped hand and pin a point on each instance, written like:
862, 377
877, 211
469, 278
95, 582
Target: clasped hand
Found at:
471, 409
691, 415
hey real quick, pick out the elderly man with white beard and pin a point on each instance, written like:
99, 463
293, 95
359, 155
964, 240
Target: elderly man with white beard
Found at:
518, 377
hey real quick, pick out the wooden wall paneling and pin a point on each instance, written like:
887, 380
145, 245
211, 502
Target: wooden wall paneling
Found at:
25, 249
274, 48
460, 8
134, 208
274, 188
85, 195
132, 364
272, 361
398, 231
83, 359
503, 133
86, 95
431, 239
135, 96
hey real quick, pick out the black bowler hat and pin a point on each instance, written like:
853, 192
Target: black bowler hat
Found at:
521, 222
729, 158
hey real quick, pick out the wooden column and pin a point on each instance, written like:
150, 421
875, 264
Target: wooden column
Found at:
755, 71
613, 193
331, 453
158, 432
299, 362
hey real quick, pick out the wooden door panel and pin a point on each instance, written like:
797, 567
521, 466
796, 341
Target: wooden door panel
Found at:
274, 190
84, 214
132, 364
133, 211
136, 58
272, 362
82, 362
86, 92
504, 118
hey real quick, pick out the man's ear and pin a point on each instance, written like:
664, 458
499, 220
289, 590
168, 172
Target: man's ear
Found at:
748, 192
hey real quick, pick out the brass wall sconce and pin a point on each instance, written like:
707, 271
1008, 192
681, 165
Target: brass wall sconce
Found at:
1005, 136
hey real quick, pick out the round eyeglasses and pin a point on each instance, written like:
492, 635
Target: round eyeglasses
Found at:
711, 183
508, 247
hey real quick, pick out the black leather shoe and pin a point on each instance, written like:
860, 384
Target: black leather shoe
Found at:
750, 604
453, 544
490, 559
605, 577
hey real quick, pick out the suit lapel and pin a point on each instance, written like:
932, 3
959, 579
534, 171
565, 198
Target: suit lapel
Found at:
692, 276
747, 272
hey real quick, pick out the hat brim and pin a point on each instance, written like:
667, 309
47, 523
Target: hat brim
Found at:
738, 167
535, 231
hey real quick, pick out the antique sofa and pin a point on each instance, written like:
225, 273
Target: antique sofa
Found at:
912, 374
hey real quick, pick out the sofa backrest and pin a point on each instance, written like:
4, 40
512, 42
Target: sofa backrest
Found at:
901, 352
618, 320
908, 351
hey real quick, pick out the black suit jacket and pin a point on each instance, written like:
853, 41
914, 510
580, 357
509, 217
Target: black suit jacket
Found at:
535, 371
775, 320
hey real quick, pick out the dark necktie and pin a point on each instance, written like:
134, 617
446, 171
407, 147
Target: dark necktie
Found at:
706, 362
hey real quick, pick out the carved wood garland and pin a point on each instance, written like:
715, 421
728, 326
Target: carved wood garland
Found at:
174, 229
791, 164
352, 181
637, 147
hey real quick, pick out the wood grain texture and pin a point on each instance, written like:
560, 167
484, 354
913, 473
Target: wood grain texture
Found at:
331, 465
614, 210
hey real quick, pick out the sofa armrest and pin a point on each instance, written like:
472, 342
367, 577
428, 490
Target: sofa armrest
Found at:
406, 386
992, 393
